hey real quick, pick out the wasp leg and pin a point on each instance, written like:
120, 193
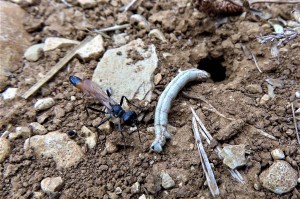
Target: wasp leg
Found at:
108, 92
123, 137
139, 133
103, 121
96, 110
127, 100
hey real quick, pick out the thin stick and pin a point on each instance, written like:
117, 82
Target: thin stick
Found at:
214, 110
55, 69
66, 3
255, 62
126, 8
201, 125
210, 178
261, 132
112, 28
295, 123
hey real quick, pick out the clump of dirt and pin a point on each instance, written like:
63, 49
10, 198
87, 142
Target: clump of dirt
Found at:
194, 41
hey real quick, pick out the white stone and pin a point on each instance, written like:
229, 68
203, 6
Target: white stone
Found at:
264, 99
166, 181
90, 137
87, 3
43, 104
135, 188
120, 39
92, 50
277, 154
9, 93
37, 195
118, 190
5, 149
64, 151
23, 131
52, 185
126, 76
38, 129
52, 43
110, 147
33, 53
280, 177
146, 197
24, 2
234, 155
157, 78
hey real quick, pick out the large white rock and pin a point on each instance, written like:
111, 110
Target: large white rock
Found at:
64, 151
92, 50
13, 39
52, 43
279, 178
52, 185
4, 149
128, 70
33, 53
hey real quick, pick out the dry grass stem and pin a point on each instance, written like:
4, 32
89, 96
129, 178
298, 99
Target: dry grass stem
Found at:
126, 7
295, 123
210, 178
213, 109
255, 62
112, 28
55, 69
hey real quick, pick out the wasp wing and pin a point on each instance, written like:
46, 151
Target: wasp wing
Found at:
94, 90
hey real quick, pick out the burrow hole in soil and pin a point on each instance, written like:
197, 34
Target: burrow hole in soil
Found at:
214, 67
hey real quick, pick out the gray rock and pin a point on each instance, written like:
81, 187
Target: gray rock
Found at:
33, 53
9, 93
233, 155
52, 185
23, 131
37, 195
13, 41
43, 104
120, 39
254, 88
92, 50
166, 181
64, 151
135, 188
279, 178
264, 99
5, 149
146, 197
38, 129
128, 70
52, 43
277, 154
90, 137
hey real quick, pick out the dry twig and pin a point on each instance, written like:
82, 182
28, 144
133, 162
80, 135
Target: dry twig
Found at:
126, 8
55, 69
255, 62
112, 28
210, 178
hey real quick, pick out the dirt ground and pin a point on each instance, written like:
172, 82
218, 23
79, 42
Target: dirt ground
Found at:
194, 41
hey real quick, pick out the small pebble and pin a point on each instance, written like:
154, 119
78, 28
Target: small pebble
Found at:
277, 154
51, 185
135, 188
43, 104
23, 131
90, 137
5, 149
264, 99
87, 3
297, 94
110, 147
157, 78
166, 181
254, 88
118, 190
92, 50
38, 129
33, 53
234, 155
9, 93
